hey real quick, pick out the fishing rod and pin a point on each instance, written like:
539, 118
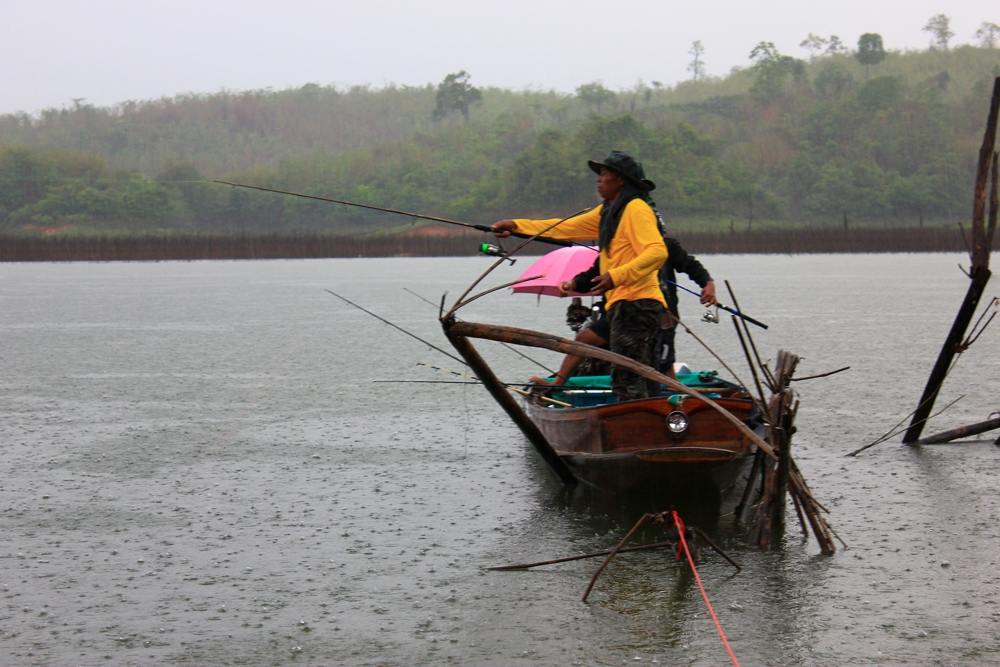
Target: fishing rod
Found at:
434, 218
428, 344
398, 328
509, 347
721, 305
561, 387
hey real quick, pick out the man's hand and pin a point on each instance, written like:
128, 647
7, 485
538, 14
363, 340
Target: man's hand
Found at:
708, 294
503, 228
602, 283
565, 287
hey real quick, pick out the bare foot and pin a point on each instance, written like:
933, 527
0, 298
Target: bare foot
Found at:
534, 379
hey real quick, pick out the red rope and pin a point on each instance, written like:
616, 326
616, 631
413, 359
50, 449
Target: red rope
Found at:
718, 626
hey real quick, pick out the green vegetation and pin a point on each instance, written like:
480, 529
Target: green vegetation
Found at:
873, 137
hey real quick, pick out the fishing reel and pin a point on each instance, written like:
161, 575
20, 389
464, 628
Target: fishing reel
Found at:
495, 251
711, 315
577, 314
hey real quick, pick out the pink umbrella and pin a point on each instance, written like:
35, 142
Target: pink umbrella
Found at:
556, 267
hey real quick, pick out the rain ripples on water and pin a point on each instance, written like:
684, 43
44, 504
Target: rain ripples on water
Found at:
198, 469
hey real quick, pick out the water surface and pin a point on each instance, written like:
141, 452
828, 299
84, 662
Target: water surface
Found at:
198, 469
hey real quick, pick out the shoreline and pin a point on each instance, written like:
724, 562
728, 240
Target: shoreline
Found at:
20, 248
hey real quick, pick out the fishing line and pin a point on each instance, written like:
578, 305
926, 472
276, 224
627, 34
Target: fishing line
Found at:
465, 431
409, 214
398, 328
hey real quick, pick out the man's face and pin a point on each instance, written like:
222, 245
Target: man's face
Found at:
609, 184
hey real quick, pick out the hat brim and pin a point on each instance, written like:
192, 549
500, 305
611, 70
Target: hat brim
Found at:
597, 166
644, 184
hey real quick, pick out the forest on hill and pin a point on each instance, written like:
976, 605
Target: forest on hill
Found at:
871, 136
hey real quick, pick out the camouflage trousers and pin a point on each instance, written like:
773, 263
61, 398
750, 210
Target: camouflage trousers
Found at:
634, 328
665, 353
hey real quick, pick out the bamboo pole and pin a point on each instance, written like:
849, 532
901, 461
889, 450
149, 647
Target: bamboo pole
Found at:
784, 454
510, 406
753, 369
764, 516
778, 478
798, 512
746, 330
750, 486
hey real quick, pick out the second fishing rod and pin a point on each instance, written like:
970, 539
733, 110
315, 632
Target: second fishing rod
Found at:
410, 214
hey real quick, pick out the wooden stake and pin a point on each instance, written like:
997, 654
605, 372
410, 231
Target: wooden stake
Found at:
746, 330
798, 512
980, 276
979, 270
980, 249
960, 432
751, 485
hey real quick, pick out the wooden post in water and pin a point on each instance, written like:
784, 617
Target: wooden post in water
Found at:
961, 432
982, 238
980, 276
781, 408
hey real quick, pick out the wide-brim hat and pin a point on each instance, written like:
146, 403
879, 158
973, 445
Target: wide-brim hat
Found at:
625, 166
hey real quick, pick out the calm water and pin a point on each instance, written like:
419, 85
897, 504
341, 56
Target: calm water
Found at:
198, 469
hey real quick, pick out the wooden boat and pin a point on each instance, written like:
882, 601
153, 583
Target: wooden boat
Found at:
673, 440
699, 436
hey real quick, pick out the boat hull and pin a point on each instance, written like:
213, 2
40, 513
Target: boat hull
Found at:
627, 445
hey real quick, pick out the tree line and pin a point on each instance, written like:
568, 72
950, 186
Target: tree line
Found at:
868, 136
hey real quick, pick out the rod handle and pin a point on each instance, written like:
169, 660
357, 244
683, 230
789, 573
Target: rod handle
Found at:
522, 235
745, 317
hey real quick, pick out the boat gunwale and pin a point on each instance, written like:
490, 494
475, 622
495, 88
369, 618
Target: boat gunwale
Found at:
460, 329
680, 449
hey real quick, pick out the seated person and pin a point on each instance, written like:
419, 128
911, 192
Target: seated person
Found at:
598, 332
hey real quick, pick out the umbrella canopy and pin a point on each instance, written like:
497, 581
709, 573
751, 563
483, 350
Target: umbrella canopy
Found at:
556, 267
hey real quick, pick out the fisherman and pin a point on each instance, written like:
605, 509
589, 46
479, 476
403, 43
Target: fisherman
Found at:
597, 333
632, 252
683, 262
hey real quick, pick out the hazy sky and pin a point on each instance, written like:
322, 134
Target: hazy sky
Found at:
109, 51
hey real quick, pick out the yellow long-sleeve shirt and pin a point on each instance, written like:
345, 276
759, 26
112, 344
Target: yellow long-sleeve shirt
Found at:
634, 257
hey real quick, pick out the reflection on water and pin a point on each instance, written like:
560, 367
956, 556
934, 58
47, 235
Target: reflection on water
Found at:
605, 510
198, 470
